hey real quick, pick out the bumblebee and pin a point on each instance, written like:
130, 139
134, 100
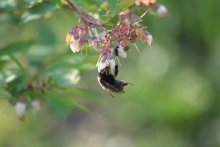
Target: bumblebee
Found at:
108, 81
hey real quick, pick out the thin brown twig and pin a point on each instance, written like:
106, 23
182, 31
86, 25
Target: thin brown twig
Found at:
83, 17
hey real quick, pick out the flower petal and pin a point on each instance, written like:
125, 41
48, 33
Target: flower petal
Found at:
102, 64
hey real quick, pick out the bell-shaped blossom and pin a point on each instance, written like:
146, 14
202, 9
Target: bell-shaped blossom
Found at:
120, 51
20, 109
102, 64
161, 10
149, 39
36, 104
140, 33
75, 44
69, 37
111, 63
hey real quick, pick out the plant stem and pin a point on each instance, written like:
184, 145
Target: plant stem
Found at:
19, 65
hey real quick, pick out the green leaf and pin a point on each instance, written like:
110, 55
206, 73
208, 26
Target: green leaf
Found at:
74, 61
112, 7
93, 8
40, 51
37, 12
102, 13
4, 93
30, 2
104, 5
124, 4
85, 93
108, 24
9, 75
64, 77
103, 16
17, 86
7, 18
45, 35
61, 109
16, 48
57, 3
8, 5
65, 99
82, 3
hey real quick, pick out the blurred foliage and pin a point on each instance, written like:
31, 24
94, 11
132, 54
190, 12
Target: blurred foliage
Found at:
174, 100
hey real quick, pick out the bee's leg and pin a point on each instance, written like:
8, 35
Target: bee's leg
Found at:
116, 70
110, 93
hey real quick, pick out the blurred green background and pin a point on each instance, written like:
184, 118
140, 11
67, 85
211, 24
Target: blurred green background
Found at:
174, 101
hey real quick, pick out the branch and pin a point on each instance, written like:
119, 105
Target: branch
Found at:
83, 17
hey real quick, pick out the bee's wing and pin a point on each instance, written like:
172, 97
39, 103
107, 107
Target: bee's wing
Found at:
115, 88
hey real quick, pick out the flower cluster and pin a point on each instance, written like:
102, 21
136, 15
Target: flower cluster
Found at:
22, 105
113, 43
109, 43
23, 102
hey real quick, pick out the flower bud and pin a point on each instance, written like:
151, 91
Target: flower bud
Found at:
101, 50
94, 37
149, 39
161, 10
20, 109
121, 17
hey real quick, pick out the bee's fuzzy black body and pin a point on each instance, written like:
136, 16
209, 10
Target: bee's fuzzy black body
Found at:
108, 81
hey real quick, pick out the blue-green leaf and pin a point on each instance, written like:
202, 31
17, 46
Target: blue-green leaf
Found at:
4, 93
66, 77
103, 16
9, 75
112, 7
30, 2
57, 3
7, 18
8, 5
37, 12
65, 99
124, 4
15, 48
61, 109
45, 35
